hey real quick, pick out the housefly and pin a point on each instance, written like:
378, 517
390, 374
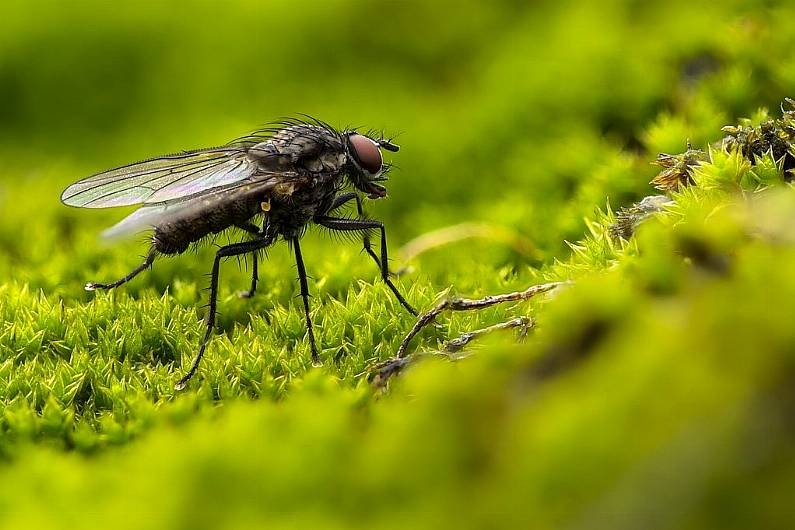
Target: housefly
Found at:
271, 183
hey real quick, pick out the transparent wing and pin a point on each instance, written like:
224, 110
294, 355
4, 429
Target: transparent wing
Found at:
151, 216
162, 179
144, 218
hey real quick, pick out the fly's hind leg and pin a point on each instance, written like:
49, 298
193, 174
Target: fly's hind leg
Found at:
150, 257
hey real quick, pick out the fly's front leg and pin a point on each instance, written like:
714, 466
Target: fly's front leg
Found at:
350, 196
344, 198
236, 249
150, 257
352, 225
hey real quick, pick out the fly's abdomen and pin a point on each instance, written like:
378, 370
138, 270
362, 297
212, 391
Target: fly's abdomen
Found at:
212, 214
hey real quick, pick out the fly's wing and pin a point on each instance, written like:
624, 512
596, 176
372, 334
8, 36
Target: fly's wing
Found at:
165, 178
187, 174
145, 218
151, 216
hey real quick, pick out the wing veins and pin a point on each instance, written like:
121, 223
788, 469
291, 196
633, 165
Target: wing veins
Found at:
160, 173
165, 169
148, 181
151, 215
213, 188
222, 151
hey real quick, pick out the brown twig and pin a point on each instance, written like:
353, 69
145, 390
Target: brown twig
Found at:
464, 304
383, 372
458, 343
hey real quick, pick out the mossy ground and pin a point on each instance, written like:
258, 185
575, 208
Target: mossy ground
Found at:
655, 391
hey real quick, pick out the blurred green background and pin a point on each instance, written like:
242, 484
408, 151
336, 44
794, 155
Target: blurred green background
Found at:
513, 113
524, 116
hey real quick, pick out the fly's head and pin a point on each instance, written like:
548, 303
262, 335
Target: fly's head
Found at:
366, 166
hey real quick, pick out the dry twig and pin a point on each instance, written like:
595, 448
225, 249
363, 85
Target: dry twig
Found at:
455, 303
459, 342
382, 372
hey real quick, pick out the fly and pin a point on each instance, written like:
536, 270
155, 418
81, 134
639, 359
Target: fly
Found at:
271, 183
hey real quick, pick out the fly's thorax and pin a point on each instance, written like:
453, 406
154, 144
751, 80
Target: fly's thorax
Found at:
303, 141
283, 191
302, 148
327, 162
291, 208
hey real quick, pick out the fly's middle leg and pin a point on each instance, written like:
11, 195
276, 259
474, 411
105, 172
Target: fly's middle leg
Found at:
299, 261
254, 230
150, 257
254, 279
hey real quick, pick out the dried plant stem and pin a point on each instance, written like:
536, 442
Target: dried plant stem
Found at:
455, 303
382, 372
462, 340
460, 232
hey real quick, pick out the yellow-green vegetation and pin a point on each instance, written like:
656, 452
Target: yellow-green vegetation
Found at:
654, 391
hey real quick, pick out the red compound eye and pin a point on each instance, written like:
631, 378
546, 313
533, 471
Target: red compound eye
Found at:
367, 153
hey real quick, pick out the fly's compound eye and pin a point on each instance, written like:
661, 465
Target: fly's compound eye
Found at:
367, 153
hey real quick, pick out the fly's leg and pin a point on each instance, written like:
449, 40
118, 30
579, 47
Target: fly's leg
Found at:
236, 249
339, 200
349, 225
150, 257
254, 279
253, 229
299, 261
343, 198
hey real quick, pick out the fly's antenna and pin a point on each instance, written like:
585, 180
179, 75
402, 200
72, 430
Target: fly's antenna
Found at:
386, 142
389, 146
